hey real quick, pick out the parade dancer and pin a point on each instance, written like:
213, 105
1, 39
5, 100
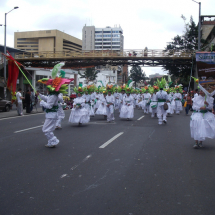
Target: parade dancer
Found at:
79, 113
169, 100
154, 102
122, 95
110, 104
146, 103
60, 111
127, 110
55, 86
202, 124
161, 97
116, 96
178, 104
102, 110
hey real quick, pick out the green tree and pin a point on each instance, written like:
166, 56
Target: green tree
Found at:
136, 74
89, 74
187, 42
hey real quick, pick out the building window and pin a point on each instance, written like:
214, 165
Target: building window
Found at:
98, 31
106, 31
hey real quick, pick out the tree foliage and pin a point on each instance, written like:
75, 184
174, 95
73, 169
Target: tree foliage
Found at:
187, 42
89, 74
136, 74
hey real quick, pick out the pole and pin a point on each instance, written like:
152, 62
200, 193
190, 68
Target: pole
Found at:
199, 31
5, 53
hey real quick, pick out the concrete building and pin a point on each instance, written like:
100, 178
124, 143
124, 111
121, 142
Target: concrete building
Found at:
208, 32
104, 77
47, 40
102, 38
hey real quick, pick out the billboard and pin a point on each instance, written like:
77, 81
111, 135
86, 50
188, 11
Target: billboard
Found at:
206, 69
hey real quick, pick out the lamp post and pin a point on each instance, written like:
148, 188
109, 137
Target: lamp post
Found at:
5, 45
199, 30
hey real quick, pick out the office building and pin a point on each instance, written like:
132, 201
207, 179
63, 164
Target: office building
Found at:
47, 40
102, 38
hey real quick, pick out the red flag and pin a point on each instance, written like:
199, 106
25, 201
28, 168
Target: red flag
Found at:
13, 73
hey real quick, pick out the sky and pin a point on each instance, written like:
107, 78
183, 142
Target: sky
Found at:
150, 23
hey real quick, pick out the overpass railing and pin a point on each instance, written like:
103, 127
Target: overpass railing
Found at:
130, 53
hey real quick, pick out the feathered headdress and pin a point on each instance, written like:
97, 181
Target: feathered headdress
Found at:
57, 84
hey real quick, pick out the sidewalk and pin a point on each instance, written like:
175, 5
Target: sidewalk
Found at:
13, 112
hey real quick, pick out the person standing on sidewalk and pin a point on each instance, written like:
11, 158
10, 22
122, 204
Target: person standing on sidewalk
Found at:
189, 103
28, 101
19, 101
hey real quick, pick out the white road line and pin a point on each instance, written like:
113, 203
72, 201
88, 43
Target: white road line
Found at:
20, 116
140, 117
28, 129
111, 140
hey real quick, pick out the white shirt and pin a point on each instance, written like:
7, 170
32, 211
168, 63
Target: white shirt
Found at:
18, 96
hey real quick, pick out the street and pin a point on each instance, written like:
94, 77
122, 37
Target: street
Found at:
143, 168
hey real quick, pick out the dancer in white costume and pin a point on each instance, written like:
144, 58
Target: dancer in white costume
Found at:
154, 102
60, 111
79, 113
97, 100
117, 97
110, 106
178, 104
202, 124
55, 86
122, 95
102, 109
146, 102
161, 113
169, 100
127, 110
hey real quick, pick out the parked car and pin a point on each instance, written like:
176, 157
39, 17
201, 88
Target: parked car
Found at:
5, 105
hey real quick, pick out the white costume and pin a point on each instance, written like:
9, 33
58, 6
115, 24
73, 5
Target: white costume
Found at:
178, 104
121, 97
117, 101
102, 110
110, 110
145, 104
19, 106
139, 100
60, 111
202, 122
97, 101
79, 114
153, 105
50, 102
127, 110
161, 113
88, 104
169, 103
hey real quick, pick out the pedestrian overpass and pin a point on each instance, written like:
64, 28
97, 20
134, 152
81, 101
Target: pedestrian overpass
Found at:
80, 59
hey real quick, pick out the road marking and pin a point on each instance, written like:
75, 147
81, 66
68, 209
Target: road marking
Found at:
28, 129
140, 117
111, 140
20, 116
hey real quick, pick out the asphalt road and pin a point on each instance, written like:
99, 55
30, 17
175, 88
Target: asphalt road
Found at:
147, 170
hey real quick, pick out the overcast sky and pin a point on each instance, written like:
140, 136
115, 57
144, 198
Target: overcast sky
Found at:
150, 23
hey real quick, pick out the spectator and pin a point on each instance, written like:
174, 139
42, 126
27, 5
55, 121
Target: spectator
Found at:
19, 102
189, 103
28, 101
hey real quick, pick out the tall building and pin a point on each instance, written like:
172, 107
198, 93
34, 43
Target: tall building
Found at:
47, 40
102, 38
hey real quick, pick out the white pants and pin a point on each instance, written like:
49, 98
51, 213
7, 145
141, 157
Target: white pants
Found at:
48, 128
19, 109
110, 113
161, 114
154, 110
146, 109
58, 122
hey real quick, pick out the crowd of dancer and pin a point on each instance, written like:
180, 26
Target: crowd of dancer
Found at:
158, 100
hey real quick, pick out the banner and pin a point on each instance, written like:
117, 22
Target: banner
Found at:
206, 69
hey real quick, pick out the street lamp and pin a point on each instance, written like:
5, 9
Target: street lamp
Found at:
199, 31
5, 45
